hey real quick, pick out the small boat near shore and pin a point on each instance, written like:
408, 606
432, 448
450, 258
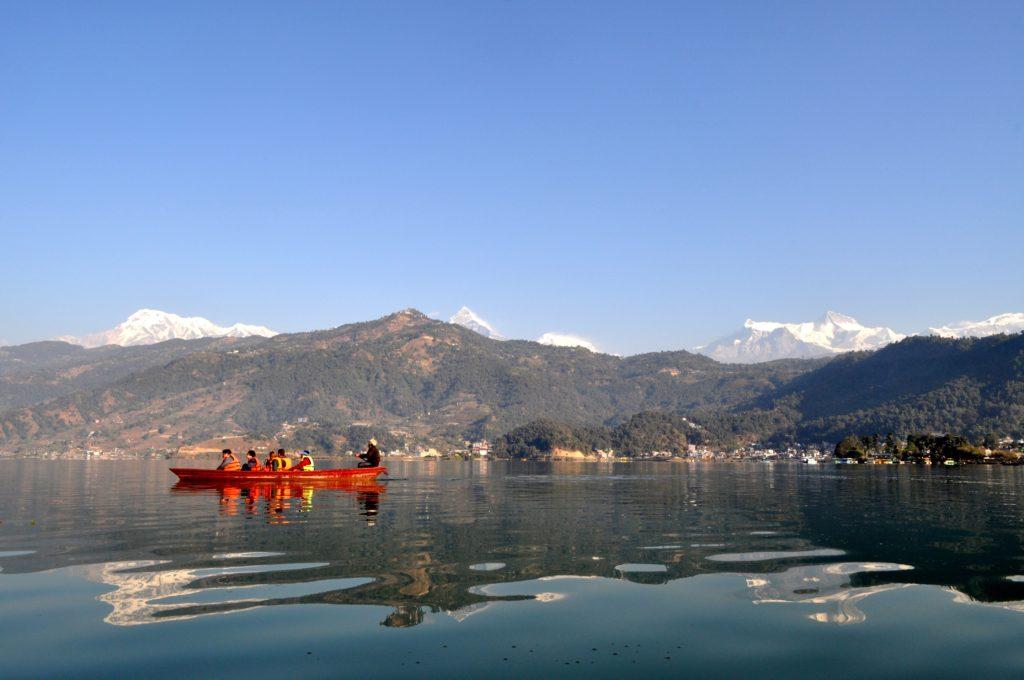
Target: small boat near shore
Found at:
204, 475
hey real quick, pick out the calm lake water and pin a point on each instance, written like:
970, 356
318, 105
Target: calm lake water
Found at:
492, 569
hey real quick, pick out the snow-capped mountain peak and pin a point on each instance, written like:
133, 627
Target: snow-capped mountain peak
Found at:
1012, 322
841, 320
768, 340
467, 318
149, 326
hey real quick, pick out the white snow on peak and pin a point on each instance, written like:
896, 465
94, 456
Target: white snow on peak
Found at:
467, 318
768, 340
149, 326
566, 340
1001, 323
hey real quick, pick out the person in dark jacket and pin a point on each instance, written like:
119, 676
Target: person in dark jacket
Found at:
252, 464
372, 456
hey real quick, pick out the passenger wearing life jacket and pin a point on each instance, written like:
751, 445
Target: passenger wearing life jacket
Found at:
281, 462
252, 464
268, 464
305, 462
228, 462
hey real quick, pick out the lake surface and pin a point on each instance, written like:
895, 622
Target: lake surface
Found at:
492, 569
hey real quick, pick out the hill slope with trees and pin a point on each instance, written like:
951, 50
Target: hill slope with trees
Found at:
404, 372
425, 380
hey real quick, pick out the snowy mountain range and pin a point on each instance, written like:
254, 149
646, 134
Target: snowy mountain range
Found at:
768, 340
1001, 323
467, 318
757, 341
149, 326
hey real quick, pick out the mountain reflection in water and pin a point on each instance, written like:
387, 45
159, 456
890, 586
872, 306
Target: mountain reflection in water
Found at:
443, 535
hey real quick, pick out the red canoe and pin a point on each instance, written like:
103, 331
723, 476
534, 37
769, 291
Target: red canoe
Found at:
203, 475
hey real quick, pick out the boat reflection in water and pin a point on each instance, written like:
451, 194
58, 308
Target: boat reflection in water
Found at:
277, 500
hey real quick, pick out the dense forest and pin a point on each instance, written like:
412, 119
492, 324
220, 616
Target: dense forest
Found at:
643, 433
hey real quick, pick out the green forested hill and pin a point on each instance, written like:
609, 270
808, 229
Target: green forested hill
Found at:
40, 371
425, 379
404, 371
970, 386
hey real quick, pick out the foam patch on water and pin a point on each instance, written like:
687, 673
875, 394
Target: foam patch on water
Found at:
15, 553
487, 566
775, 555
661, 547
638, 568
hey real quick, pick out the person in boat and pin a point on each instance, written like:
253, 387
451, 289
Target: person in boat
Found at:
268, 464
281, 462
305, 462
372, 456
228, 462
252, 464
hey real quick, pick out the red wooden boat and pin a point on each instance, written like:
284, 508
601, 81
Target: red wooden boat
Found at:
204, 475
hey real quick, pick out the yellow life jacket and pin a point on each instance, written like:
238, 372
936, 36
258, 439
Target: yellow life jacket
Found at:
285, 463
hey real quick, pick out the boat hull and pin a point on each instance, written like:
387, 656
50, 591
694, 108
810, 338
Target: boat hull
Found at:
347, 474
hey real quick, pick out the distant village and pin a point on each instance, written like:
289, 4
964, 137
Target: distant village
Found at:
1008, 451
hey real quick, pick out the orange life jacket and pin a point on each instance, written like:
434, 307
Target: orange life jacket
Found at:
232, 466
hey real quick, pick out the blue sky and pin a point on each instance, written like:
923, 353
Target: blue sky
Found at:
646, 175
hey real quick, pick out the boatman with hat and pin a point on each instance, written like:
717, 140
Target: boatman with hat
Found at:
372, 456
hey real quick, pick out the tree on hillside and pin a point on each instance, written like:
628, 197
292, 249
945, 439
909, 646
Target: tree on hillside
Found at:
538, 438
648, 432
850, 447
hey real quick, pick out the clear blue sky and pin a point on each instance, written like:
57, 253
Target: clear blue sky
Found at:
646, 175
